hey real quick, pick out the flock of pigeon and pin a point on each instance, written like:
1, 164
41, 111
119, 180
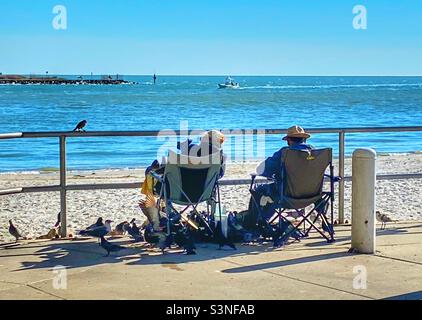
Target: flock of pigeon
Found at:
100, 229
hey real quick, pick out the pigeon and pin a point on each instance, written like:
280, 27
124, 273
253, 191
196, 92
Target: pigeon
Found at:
183, 239
80, 126
135, 232
156, 238
150, 210
110, 247
122, 227
13, 231
383, 218
52, 234
97, 231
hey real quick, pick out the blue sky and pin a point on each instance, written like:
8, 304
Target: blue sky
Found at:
239, 37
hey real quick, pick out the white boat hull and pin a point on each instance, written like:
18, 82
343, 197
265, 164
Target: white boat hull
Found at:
228, 86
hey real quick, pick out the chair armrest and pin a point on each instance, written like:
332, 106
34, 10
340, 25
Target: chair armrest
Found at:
256, 175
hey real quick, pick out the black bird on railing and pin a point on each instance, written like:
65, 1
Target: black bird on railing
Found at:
13, 231
110, 247
80, 126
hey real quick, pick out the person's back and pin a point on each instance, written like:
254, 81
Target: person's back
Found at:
296, 140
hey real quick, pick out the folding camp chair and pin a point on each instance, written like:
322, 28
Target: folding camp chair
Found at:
302, 185
187, 182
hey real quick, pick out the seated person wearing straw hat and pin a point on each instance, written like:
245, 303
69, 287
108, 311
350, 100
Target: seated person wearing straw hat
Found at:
211, 143
272, 168
296, 140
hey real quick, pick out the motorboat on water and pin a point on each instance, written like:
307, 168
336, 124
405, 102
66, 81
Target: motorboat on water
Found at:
229, 83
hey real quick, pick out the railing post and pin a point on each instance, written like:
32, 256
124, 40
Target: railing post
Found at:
63, 222
341, 140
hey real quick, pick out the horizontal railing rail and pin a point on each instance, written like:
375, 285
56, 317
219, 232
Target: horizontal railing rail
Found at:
137, 185
154, 133
63, 187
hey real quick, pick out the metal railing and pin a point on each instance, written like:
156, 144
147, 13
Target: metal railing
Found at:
63, 187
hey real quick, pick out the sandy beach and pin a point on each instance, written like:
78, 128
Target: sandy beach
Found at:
34, 214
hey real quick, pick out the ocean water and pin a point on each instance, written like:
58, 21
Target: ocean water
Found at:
261, 102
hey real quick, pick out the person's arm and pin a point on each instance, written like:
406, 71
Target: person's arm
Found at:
271, 166
223, 165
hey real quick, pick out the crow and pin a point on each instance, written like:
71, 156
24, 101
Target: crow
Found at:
13, 231
80, 126
110, 247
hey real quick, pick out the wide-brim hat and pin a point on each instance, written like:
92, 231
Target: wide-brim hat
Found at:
296, 132
214, 137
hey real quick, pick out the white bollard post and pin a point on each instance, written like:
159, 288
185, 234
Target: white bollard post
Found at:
363, 200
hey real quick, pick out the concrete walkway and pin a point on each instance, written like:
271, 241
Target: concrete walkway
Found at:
311, 269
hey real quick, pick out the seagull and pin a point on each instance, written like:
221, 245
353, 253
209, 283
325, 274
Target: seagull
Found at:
80, 126
13, 231
110, 247
97, 231
383, 218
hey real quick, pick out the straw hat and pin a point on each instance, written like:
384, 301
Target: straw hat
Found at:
296, 132
214, 136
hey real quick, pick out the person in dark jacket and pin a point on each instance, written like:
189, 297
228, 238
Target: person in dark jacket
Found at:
268, 194
296, 140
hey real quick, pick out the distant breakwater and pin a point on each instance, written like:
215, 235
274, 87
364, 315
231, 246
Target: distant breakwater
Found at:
64, 82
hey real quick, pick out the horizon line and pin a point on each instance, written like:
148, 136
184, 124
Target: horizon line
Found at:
212, 75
